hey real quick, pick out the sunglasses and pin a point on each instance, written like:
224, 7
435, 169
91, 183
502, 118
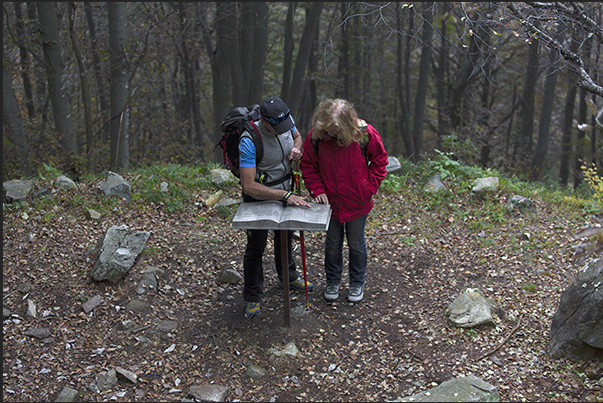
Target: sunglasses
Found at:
276, 121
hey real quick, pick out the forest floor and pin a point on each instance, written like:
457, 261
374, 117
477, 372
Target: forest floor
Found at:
395, 343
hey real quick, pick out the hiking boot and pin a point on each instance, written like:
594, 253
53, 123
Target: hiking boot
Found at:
356, 293
332, 292
252, 309
299, 286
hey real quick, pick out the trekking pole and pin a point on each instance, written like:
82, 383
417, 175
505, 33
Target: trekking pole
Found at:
297, 182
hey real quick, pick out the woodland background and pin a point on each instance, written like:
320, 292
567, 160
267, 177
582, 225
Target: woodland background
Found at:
93, 86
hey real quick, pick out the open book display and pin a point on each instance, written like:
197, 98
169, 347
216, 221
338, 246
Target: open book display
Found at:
272, 215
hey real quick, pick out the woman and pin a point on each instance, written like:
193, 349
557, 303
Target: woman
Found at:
343, 164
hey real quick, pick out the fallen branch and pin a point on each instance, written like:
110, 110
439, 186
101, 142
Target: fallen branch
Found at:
504, 341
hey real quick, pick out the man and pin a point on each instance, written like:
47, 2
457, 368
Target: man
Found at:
271, 179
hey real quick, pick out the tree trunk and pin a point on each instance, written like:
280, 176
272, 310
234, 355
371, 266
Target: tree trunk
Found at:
581, 147
441, 74
219, 68
96, 62
546, 111
56, 80
188, 67
13, 124
119, 91
86, 96
260, 50
523, 145
344, 57
303, 54
566, 134
579, 156
24, 58
288, 47
566, 127
422, 84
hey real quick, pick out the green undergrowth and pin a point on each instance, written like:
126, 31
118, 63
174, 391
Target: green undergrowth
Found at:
453, 205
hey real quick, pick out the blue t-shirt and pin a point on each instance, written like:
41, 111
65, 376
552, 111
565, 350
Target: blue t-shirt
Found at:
247, 151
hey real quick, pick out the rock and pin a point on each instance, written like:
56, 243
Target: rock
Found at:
31, 309
393, 165
214, 199
64, 182
38, 332
483, 186
68, 395
92, 214
106, 380
470, 309
230, 276
208, 393
465, 389
17, 189
577, 327
137, 305
148, 282
255, 371
221, 176
24, 287
167, 325
92, 303
116, 253
290, 349
125, 375
434, 184
117, 186
518, 202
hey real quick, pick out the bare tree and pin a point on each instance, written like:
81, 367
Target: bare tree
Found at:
293, 94
24, 58
421, 94
13, 124
84, 83
55, 72
119, 92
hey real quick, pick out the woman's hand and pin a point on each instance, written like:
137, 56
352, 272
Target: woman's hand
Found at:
322, 199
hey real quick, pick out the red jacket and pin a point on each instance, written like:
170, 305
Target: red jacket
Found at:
343, 174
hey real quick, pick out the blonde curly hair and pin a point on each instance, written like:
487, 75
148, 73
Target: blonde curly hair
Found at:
340, 115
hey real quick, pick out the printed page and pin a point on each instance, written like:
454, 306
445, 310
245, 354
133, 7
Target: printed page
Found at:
272, 215
317, 214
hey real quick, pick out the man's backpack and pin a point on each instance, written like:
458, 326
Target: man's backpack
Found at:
234, 124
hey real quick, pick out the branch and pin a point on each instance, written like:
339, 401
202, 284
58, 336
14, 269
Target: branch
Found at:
586, 82
504, 341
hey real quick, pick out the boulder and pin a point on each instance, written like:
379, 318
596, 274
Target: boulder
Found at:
464, 389
577, 327
116, 253
17, 189
115, 185
470, 309
483, 186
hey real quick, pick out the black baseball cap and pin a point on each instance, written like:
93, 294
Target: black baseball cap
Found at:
277, 113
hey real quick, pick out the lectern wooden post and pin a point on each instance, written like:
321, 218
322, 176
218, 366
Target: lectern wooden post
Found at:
285, 276
272, 215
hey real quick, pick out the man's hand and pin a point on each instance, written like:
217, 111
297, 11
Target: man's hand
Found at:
295, 200
295, 154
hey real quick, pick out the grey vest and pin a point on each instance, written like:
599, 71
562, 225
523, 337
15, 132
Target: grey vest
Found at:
274, 164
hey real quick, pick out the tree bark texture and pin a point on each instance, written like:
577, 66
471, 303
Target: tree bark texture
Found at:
13, 124
119, 89
56, 80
